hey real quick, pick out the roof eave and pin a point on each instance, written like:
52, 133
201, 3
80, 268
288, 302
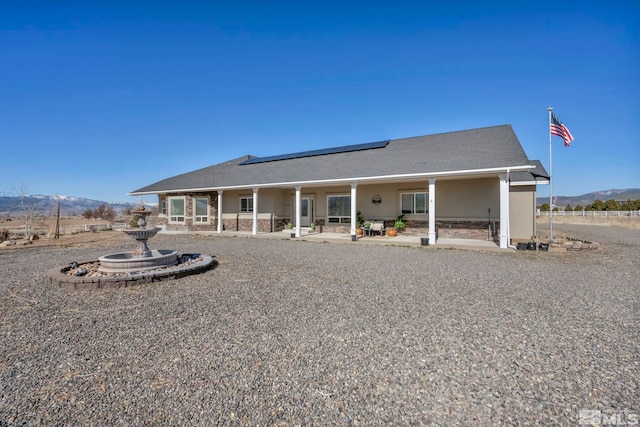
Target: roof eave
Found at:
365, 179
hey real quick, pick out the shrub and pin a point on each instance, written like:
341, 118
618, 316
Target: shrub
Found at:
400, 223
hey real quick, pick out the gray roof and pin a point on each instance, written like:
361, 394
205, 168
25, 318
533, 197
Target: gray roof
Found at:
538, 174
476, 149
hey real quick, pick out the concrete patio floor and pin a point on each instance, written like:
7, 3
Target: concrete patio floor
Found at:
399, 240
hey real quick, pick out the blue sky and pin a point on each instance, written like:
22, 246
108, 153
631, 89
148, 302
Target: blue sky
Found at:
98, 99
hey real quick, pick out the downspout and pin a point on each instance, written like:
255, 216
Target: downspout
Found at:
354, 225
509, 245
535, 225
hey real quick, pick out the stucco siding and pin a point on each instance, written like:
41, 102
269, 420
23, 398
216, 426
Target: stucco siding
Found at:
270, 200
522, 205
468, 199
389, 207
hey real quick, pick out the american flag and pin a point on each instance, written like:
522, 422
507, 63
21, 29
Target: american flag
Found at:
558, 129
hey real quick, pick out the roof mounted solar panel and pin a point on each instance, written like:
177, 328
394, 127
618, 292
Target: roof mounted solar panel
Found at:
320, 152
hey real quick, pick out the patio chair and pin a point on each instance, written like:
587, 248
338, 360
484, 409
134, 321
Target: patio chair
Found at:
378, 227
366, 228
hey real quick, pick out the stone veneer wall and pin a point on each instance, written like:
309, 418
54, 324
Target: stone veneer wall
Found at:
230, 224
188, 224
177, 227
337, 228
450, 229
333, 227
264, 225
233, 222
280, 224
206, 227
414, 224
466, 229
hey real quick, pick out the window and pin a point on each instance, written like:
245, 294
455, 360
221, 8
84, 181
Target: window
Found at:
246, 204
201, 209
163, 206
339, 209
414, 203
176, 209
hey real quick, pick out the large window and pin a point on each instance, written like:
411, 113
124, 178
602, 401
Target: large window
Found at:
246, 204
339, 209
201, 210
414, 203
176, 209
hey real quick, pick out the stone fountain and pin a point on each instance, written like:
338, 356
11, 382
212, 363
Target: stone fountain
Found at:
142, 258
142, 265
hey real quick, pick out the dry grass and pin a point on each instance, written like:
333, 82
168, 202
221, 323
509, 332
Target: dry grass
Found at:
44, 226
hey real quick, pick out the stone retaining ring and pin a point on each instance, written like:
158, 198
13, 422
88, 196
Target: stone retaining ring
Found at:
60, 277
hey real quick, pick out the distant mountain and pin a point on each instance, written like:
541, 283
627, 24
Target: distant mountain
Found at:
47, 205
70, 205
587, 199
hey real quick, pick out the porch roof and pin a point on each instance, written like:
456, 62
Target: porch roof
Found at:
537, 175
460, 152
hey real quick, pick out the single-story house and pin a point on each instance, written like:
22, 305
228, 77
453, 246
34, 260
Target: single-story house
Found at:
474, 183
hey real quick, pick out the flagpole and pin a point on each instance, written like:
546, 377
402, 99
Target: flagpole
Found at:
550, 181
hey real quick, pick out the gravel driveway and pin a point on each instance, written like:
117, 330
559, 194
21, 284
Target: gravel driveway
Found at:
284, 332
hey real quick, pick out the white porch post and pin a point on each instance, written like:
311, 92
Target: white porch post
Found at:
219, 211
353, 211
298, 210
504, 210
255, 211
432, 211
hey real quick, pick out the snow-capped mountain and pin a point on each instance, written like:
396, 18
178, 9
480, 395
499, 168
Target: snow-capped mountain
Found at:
46, 205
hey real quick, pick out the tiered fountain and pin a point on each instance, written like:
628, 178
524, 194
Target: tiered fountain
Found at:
141, 265
142, 258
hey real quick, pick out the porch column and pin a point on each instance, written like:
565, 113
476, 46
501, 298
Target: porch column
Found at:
504, 210
298, 210
353, 211
219, 211
432, 211
255, 211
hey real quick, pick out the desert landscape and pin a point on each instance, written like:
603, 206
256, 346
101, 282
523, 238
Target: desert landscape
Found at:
284, 332
73, 230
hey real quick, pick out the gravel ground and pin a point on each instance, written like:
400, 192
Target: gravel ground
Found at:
284, 332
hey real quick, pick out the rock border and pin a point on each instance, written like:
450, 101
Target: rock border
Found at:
564, 244
60, 277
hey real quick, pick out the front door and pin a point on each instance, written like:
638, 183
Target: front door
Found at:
306, 211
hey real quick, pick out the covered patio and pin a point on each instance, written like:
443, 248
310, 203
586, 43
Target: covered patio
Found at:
401, 239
